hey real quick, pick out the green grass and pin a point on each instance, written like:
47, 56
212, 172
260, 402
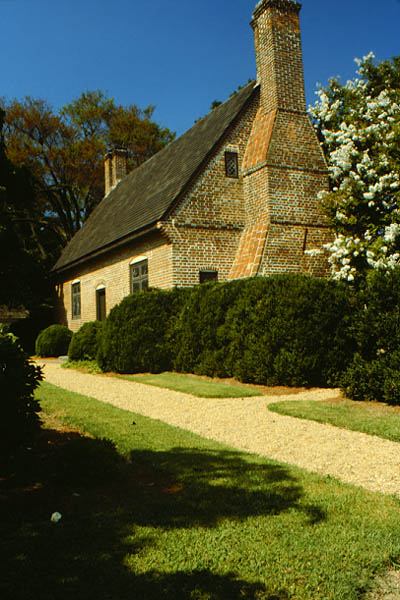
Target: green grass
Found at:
179, 382
380, 420
181, 517
189, 384
89, 366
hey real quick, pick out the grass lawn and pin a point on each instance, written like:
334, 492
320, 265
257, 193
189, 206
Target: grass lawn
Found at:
190, 384
155, 512
179, 382
368, 417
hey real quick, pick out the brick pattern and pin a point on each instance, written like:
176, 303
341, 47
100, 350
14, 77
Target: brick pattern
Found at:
278, 55
284, 167
250, 251
206, 225
294, 143
113, 272
115, 169
284, 250
260, 137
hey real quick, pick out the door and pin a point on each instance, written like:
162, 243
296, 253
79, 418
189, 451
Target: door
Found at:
101, 304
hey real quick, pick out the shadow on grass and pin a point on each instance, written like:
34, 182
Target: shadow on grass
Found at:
112, 509
190, 487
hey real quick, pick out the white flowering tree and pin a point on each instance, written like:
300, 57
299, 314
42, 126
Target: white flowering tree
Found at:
359, 126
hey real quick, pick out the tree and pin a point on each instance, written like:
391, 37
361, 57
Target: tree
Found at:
23, 269
19, 408
63, 153
359, 126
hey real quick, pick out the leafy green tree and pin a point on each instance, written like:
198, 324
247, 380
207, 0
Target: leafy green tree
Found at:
359, 125
63, 153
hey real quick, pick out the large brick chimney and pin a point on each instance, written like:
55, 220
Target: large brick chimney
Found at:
283, 167
115, 168
278, 54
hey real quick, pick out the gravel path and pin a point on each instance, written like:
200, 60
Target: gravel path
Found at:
247, 424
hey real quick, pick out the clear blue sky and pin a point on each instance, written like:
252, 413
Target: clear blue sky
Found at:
179, 55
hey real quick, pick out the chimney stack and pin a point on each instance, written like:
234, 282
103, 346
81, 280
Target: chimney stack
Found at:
115, 168
278, 55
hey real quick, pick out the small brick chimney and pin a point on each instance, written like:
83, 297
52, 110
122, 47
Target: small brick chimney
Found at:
115, 168
278, 54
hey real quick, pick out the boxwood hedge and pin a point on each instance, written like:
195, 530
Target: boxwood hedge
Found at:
374, 372
136, 333
53, 341
284, 329
85, 342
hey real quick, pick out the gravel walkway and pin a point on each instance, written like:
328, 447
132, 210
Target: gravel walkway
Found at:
246, 424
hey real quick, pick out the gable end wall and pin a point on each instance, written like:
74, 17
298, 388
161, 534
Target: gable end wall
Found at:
206, 224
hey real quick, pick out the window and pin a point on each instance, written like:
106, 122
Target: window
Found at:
206, 276
101, 304
231, 164
76, 300
139, 276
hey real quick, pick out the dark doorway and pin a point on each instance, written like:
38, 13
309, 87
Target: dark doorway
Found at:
101, 304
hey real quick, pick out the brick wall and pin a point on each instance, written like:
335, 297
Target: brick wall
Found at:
278, 54
113, 272
206, 225
285, 250
284, 167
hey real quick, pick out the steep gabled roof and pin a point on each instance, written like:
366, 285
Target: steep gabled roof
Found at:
145, 195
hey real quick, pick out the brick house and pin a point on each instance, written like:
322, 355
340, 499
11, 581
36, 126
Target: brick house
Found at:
233, 197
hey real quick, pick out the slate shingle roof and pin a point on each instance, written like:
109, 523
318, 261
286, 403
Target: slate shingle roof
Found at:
145, 195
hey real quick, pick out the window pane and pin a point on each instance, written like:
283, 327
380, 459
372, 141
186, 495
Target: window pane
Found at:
231, 164
139, 276
76, 300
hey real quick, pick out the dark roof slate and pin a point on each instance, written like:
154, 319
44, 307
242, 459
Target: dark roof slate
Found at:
144, 196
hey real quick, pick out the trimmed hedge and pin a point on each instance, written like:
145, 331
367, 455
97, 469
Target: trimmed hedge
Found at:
374, 372
136, 333
290, 330
280, 330
85, 342
19, 409
53, 341
200, 344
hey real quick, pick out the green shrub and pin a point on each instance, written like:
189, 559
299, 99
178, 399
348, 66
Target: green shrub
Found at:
290, 330
53, 341
85, 342
135, 336
200, 346
19, 409
284, 329
374, 372
363, 379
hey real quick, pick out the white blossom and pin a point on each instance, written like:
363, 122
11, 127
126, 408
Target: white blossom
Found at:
365, 173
